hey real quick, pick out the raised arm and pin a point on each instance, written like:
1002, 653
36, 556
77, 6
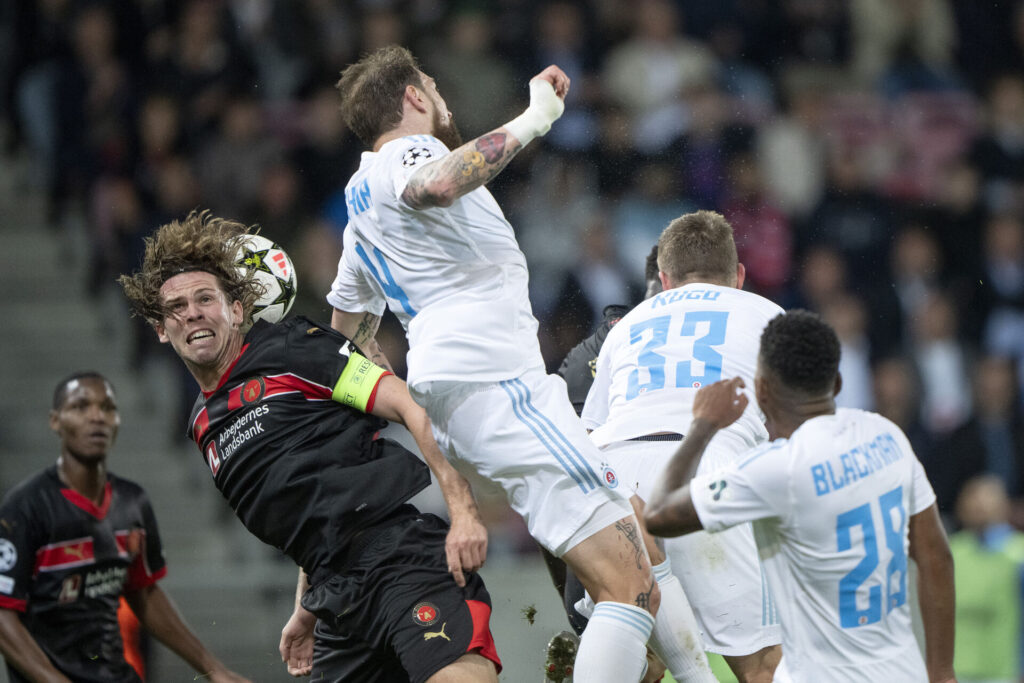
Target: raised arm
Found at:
23, 653
466, 544
929, 548
670, 510
158, 614
475, 163
361, 330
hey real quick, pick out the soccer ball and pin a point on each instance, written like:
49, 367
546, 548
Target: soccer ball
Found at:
269, 265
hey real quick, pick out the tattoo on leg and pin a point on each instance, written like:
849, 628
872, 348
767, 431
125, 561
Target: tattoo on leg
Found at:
643, 600
629, 530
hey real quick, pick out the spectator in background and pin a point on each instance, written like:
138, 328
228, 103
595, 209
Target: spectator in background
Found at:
988, 557
651, 74
847, 315
821, 278
1001, 288
897, 396
764, 240
942, 361
990, 442
999, 151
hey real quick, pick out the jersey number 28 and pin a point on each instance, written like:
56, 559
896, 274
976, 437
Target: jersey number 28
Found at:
652, 363
894, 523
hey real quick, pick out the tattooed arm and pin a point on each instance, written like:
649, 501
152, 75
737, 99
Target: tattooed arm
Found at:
361, 330
461, 171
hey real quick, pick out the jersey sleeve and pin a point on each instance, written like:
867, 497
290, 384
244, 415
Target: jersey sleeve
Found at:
755, 488
921, 494
19, 541
352, 291
595, 408
149, 565
415, 152
324, 357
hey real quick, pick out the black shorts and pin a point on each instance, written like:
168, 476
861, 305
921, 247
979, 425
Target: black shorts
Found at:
396, 614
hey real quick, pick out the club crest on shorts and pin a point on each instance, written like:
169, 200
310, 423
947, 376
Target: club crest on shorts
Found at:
611, 480
425, 613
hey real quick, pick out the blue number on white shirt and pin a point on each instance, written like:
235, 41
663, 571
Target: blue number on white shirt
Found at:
890, 503
702, 348
391, 288
654, 363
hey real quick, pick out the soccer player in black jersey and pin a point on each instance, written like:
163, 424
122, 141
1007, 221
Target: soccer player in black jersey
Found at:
75, 538
288, 425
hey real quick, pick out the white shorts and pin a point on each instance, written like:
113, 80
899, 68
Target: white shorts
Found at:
720, 573
524, 435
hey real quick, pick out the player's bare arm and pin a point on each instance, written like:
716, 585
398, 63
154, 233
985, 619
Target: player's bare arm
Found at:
296, 646
475, 163
670, 510
22, 652
157, 612
929, 549
361, 330
466, 543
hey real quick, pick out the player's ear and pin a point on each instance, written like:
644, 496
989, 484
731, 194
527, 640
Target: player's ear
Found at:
665, 282
741, 275
237, 314
416, 98
838, 385
161, 333
55, 421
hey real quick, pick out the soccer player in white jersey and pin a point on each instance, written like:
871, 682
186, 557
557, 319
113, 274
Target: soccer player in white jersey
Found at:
839, 503
700, 328
426, 239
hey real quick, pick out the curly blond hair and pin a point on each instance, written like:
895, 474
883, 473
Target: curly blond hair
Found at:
201, 242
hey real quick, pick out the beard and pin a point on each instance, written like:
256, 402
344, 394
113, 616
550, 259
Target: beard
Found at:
446, 131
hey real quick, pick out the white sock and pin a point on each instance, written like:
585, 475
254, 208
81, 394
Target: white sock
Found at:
613, 647
676, 638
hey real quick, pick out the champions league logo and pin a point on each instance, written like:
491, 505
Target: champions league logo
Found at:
8, 555
415, 156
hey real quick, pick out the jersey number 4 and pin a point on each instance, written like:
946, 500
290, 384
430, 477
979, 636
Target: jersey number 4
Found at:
652, 363
385, 278
894, 523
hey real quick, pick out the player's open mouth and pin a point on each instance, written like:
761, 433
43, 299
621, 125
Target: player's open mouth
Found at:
196, 336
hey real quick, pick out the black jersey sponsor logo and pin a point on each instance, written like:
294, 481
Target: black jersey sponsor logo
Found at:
8, 555
242, 429
70, 589
425, 613
108, 581
253, 390
430, 635
415, 155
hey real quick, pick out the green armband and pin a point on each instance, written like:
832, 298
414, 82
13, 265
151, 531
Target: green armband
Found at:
357, 385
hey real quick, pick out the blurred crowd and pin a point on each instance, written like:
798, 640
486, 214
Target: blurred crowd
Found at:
869, 153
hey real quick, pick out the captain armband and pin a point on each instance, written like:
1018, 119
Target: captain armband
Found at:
357, 386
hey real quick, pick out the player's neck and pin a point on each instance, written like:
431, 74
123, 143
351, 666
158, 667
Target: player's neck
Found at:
404, 129
783, 426
88, 478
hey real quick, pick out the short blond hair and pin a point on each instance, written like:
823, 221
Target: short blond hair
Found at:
698, 245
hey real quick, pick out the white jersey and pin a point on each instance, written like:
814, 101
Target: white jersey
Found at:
831, 507
455, 277
656, 358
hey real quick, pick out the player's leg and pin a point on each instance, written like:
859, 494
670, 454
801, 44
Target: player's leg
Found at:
758, 667
676, 638
469, 668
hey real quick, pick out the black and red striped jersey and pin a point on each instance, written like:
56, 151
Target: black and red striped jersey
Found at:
302, 471
65, 562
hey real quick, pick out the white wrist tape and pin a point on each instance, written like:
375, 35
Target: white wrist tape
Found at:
545, 108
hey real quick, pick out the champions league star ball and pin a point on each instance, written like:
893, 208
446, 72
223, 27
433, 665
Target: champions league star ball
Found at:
270, 266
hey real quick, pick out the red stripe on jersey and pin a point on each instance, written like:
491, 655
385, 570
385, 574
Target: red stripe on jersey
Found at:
200, 426
482, 642
80, 501
12, 603
227, 373
139, 578
277, 385
65, 555
373, 394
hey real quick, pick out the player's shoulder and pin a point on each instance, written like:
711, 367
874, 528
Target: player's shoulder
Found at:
32, 489
769, 453
413, 150
126, 487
